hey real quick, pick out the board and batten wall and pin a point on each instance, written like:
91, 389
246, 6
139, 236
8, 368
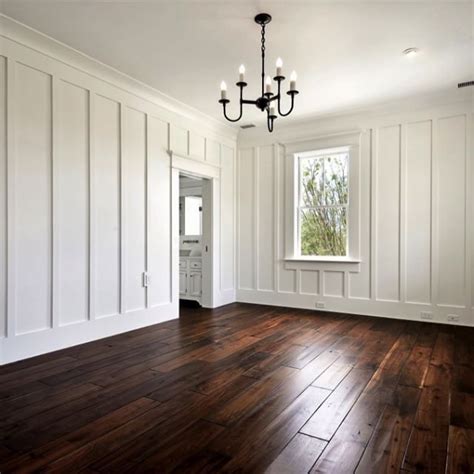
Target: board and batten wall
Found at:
85, 198
415, 215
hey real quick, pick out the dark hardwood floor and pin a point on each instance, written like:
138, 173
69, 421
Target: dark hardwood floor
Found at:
247, 388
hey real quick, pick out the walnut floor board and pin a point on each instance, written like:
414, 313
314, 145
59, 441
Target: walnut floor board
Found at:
247, 388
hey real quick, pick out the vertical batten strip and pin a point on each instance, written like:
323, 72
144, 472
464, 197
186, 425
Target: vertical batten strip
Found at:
431, 213
276, 225
171, 218
402, 215
11, 248
434, 215
55, 197
275, 164
256, 216
147, 204
122, 212
92, 235
237, 210
469, 239
373, 213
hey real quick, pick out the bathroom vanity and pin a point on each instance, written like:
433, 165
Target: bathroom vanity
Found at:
190, 278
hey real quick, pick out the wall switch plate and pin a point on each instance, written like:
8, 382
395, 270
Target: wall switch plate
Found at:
453, 318
320, 304
145, 279
426, 315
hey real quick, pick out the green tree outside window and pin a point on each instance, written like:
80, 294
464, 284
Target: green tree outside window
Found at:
324, 194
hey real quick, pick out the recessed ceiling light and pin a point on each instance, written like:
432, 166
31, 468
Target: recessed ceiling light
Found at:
411, 52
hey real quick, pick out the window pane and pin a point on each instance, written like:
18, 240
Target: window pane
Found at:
335, 180
323, 231
311, 184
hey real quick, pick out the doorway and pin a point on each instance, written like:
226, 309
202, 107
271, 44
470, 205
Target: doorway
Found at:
194, 239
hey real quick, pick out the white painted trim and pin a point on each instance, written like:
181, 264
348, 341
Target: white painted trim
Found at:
43, 44
194, 166
91, 210
123, 156
48, 340
55, 198
385, 309
11, 178
328, 124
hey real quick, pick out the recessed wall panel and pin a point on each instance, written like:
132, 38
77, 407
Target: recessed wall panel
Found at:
178, 140
227, 219
3, 195
159, 224
213, 153
266, 224
134, 166
246, 219
33, 195
106, 174
387, 206
334, 283
451, 173
418, 212
71, 199
197, 145
309, 282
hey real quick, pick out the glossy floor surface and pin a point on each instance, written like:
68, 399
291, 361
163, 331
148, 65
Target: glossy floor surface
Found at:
247, 388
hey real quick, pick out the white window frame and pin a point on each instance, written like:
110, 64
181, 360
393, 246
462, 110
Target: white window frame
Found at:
321, 154
349, 142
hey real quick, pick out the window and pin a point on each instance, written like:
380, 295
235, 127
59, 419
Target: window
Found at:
323, 203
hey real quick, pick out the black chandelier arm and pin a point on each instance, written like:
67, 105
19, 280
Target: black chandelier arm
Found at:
290, 93
224, 103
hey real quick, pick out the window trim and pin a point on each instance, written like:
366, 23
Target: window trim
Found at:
351, 141
321, 154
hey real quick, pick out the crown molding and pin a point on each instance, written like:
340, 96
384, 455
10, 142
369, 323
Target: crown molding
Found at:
307, 127
33, 39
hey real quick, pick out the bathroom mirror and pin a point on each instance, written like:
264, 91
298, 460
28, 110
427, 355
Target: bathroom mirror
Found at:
190, 215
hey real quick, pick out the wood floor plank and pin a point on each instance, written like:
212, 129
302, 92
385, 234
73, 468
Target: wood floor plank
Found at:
324, 423
298, 456
427, 447
258, 451
460, 451
386, 448
245, 389
355, 431
333, 376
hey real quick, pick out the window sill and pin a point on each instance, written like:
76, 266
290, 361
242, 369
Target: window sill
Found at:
323, 259
323, 263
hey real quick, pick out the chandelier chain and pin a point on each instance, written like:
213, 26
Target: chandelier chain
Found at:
263, 58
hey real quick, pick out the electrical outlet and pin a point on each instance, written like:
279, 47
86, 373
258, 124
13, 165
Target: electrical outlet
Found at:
320, 304
426, 315
453, 318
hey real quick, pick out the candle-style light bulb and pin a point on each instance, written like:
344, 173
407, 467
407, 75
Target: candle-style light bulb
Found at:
223, 90
293, 78
241, 73
268, 85
279, 65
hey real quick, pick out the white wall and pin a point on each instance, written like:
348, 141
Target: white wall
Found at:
85, 197
415, 216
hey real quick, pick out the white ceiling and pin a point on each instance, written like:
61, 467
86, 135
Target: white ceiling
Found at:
347, 54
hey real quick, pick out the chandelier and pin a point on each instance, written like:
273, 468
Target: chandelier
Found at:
266, 102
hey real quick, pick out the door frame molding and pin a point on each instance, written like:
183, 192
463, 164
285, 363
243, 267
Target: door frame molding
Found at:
210, 237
